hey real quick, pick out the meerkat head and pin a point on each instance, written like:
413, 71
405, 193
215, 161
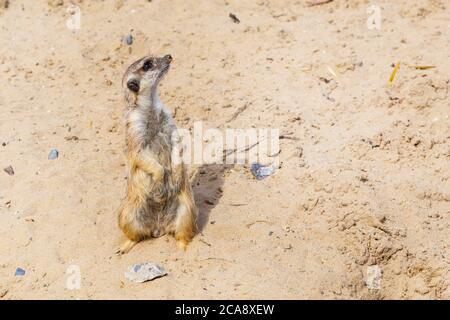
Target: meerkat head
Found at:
143, 76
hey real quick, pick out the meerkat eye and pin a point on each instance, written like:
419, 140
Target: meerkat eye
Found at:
147, 65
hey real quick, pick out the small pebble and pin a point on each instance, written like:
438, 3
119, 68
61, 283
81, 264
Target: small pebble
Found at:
128, 39
19, 272
9, 170
234, 18
260, 172
53, 154
3, 293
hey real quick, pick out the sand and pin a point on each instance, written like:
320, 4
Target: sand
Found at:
359, 209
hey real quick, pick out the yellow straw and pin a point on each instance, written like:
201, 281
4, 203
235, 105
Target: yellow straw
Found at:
394, 72
422, 67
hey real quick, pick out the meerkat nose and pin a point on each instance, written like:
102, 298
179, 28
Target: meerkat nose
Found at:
168, 57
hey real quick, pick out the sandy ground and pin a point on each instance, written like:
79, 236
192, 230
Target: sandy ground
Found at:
364, 180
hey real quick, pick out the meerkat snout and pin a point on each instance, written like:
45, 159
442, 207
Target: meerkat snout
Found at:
168, 58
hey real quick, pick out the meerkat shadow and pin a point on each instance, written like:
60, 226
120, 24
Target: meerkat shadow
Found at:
207, 187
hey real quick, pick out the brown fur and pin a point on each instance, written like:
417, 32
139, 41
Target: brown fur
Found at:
159, 197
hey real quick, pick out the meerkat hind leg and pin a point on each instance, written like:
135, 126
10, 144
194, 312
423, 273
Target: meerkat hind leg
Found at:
126, 246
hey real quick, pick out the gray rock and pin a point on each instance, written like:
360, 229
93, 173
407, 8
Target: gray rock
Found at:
19, 272
142, 272
128, 39
53, 154
260, 172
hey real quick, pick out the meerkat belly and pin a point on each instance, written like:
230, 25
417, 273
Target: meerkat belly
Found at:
162, 146
157, 201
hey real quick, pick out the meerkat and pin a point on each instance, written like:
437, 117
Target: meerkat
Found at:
159, 198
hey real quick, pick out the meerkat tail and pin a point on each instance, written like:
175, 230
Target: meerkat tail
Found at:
185, 223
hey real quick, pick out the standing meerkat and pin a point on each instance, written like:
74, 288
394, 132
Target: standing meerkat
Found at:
159, 197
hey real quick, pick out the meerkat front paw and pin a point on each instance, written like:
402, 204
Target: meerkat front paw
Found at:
158, 174
159, 193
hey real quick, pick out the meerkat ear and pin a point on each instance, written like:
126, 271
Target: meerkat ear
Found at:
133, 85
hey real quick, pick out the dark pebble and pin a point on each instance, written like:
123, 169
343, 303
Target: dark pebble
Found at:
9, 170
